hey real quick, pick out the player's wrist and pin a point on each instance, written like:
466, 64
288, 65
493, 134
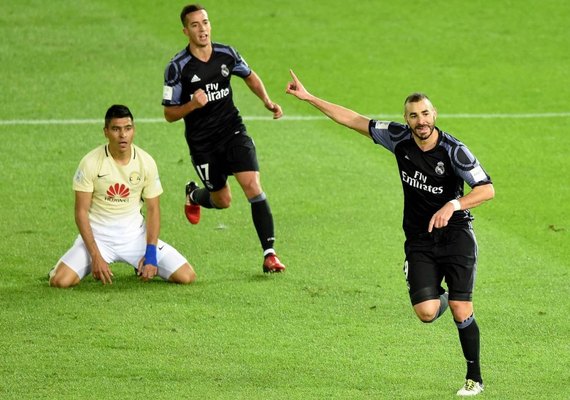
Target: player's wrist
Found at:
150, 255
456, 204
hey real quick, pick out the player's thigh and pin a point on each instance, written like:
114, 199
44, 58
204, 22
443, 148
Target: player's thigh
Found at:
460, 264
167, 257
423, 274
132, 249
169, 260
77, 258
241, 154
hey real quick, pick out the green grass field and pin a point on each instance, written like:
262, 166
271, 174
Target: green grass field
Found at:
338, 324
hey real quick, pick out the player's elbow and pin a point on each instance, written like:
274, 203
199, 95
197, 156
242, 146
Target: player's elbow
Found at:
490, 191
169, 115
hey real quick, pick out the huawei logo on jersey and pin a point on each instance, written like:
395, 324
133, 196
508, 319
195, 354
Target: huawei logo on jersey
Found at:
118, 193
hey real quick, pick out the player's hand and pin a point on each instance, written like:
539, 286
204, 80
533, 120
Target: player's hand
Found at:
296, 88
199, 98
146, 271
275, 109
441, 217
100, 271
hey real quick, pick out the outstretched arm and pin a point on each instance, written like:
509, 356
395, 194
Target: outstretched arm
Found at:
337, 113
256, 85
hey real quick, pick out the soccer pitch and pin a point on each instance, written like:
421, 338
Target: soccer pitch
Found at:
338, 324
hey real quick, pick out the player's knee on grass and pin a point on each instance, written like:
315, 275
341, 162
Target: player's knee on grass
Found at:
183, 275
63, 277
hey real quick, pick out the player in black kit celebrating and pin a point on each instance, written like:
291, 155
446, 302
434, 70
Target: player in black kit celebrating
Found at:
437, 222
197, 88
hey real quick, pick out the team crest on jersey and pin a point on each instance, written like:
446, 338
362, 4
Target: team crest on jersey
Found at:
135, 178
225, 71
440, 168
78, 176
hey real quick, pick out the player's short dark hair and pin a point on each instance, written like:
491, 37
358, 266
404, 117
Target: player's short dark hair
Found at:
189, 9
415, 97
117, 111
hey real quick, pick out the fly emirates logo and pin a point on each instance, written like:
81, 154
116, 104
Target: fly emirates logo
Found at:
418, 181
214, 93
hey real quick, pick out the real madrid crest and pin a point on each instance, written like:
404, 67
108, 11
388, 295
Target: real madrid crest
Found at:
440, 168
225, 71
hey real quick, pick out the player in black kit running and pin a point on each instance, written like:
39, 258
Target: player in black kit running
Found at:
440, 242
197, 88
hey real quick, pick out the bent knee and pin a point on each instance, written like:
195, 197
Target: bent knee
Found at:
62, 282
223, 204
427, 318
63, 277
188, 278
184, 275
427, 310
221, 200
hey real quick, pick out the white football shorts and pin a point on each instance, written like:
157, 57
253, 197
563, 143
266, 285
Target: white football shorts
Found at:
129, 251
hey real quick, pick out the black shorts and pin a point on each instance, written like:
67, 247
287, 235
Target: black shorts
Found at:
449, 253
236, 155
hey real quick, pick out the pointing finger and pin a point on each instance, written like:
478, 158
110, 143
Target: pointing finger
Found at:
294, 76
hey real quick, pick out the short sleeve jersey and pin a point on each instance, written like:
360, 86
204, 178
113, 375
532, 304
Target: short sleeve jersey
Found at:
118, 190
430, 178
219, 118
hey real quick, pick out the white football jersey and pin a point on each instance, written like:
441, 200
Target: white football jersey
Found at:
118, 190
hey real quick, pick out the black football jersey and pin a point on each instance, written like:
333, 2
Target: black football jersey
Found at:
214, 123
431, 178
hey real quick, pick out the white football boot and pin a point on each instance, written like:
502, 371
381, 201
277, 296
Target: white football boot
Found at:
471, 388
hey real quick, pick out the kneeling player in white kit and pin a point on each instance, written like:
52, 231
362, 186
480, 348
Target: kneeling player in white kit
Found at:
111, 184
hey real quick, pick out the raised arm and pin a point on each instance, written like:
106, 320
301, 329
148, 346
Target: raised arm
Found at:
256, 85
337, 113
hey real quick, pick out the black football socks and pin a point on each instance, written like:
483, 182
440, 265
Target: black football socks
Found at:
469, 338
443, 303
263, 222
202, 196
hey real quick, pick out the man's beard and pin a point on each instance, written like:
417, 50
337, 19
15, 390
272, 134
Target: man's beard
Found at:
425, 137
